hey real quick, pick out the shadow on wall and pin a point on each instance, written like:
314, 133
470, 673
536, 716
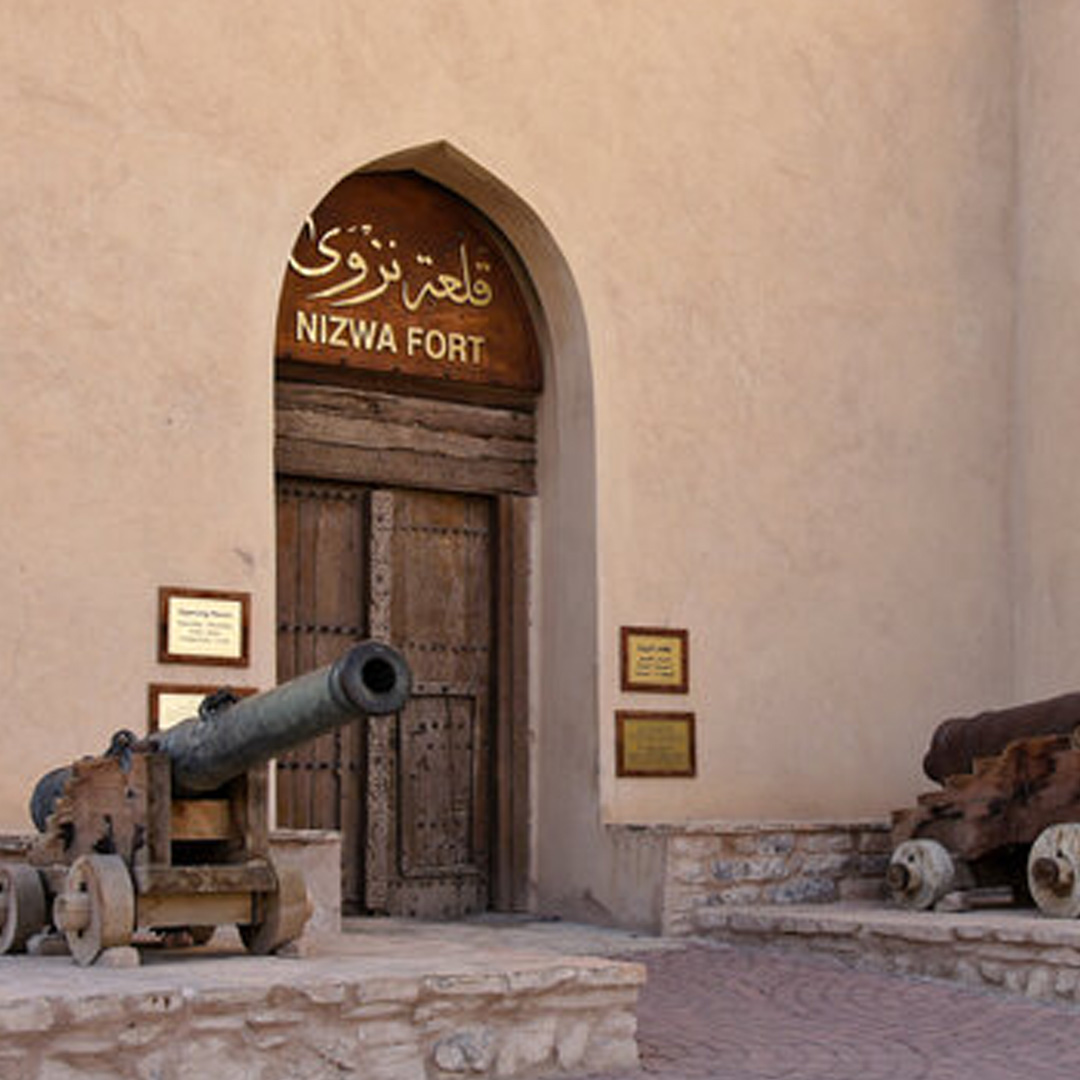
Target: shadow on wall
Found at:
569, 847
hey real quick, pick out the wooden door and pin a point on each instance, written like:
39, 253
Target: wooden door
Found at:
322, 609
411, 793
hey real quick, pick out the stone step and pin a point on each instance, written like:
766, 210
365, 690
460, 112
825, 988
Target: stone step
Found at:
382, 1007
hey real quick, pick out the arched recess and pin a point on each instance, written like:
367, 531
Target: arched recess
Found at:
545, 828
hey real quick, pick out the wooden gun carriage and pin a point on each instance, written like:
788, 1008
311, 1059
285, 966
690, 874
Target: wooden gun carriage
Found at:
170, 833
1005, 824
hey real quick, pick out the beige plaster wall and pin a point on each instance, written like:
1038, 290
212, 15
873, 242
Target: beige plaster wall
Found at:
804, 425
1047, 507
774, 237
135, 404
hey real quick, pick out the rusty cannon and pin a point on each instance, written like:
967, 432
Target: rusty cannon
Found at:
1004, 825
170, 833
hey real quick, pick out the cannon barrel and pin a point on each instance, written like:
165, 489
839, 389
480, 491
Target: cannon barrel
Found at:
956, 743
224, 742
207, 750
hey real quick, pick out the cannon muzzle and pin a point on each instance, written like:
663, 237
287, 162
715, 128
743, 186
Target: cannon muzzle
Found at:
207, 750
232, 735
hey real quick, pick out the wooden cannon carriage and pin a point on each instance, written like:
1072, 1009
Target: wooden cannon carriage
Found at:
1005, 824
170, 833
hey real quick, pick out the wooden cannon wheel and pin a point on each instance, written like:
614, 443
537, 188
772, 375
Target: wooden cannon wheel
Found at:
1054, 871
920, 873
23, 911
96, 910
283, 915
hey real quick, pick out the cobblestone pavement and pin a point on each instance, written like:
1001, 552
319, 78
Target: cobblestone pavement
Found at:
742, 1014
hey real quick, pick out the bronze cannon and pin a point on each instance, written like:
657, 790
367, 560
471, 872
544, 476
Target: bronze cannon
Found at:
170, 833
956, 743
1004, 826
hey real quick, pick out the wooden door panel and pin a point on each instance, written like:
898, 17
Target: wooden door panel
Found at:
410, 793
436, 605
441, 594
437, 778
291, 803
321, 609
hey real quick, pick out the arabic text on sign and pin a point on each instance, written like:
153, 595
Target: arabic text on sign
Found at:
342, 247
656, 660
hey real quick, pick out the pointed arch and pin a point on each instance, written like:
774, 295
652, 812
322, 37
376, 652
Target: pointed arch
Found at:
560, 741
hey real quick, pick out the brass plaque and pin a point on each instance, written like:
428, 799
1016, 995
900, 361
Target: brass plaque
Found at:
655, 660
654, 744
170, 703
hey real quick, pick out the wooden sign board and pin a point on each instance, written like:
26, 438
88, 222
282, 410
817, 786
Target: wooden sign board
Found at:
170, 703
394, 274
203, 626
655, 744
655, 660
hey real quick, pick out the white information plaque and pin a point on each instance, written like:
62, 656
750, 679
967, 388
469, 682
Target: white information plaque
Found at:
200, 626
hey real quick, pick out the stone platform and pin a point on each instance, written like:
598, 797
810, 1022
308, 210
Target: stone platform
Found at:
386, 1001
1015, 950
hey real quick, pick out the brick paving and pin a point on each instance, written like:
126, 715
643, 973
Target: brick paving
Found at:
733, 1013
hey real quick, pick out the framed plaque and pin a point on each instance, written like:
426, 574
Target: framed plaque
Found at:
203, 626
169, 703
655, 660
655, 744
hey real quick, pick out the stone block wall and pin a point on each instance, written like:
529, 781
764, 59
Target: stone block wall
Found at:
316, 853
285, 1020
725, 863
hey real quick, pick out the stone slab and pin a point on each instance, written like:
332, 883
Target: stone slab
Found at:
381, 1002
1016, 950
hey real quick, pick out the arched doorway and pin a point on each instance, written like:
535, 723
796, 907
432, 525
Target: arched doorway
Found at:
407, 374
